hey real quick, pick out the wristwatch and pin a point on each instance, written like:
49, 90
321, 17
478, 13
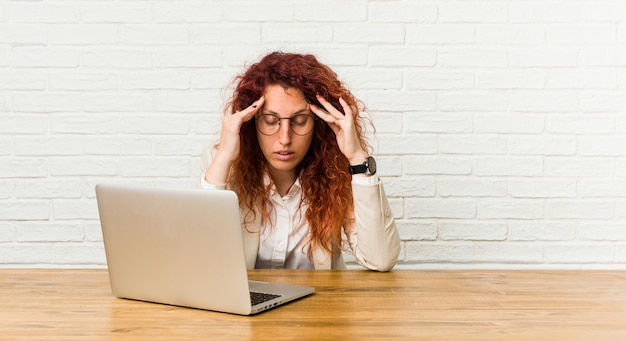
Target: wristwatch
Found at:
369, 166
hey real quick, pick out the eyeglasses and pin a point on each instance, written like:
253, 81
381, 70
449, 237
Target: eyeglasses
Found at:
300, 124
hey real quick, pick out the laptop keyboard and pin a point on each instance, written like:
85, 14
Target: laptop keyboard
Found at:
260, 297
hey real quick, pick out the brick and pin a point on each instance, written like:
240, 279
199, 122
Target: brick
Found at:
35, 56
340, 11
526, 123
511, 79
541, 188
472, 231
483, 12
471, 101
102, 102
18, 34
613, 101
438, 123
117, 145
49, 232
579, 209
579, 253
79, 34
26, 253
543, 57
602, 188
17, 167
192, 12
407, 12
117, 58
438, 80
578, 167
181, 102
402, 101
44, 13
95, 81
440, 34
72, 209
472, 144
289, 32
510, 209
6, 232
48, 188
225, 34
440, 208
25, 210
154, 166
539, 12
104, 12
602, 232
526, 230
187, 57
416, 230
83, 166
433, 165
393, 55
587, 79
410, 187
508, 166
544, 101
46, 146
153, 34
470, 187
85, 124
602, 146
454, 57
23, 124
369, 33
541, 145
506, 34
581, 124
578, 34
424, 252
78, 253
150, 124
518, 252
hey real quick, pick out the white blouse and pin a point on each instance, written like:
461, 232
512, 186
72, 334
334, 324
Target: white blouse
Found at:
283, 240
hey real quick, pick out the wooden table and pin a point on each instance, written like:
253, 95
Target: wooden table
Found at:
72, 304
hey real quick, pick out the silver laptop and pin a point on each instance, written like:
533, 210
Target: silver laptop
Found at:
182, 247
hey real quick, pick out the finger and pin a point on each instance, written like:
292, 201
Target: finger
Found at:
328, 118
329, 107
346, 108
249, 112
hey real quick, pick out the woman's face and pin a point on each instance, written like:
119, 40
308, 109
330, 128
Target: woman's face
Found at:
284, 149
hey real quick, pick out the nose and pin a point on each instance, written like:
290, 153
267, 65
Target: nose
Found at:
284, 133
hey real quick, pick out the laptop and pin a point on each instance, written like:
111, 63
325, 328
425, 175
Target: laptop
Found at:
182, 247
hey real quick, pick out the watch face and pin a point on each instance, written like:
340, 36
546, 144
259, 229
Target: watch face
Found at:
371, 165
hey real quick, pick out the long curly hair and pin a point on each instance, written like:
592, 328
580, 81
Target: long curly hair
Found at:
323, 173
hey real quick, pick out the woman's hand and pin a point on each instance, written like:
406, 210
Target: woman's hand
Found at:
231, 126
229, 146
344, 128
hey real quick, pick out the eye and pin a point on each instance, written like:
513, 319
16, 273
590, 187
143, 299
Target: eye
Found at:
269, 119
300, 119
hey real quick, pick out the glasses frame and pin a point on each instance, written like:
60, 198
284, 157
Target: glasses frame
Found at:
257, 117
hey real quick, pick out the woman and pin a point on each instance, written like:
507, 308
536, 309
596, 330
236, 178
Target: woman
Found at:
293, 148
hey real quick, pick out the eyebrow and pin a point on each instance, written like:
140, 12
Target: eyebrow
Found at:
301, 111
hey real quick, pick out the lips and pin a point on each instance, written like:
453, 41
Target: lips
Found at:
284, 155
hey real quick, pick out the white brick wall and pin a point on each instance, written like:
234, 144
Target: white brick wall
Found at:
501, 125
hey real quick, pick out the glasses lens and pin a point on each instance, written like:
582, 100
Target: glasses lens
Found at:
268, 124
302, 124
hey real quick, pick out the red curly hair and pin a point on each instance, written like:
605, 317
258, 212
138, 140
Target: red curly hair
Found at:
324, 175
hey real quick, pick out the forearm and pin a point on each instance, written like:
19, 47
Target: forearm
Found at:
373, 236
